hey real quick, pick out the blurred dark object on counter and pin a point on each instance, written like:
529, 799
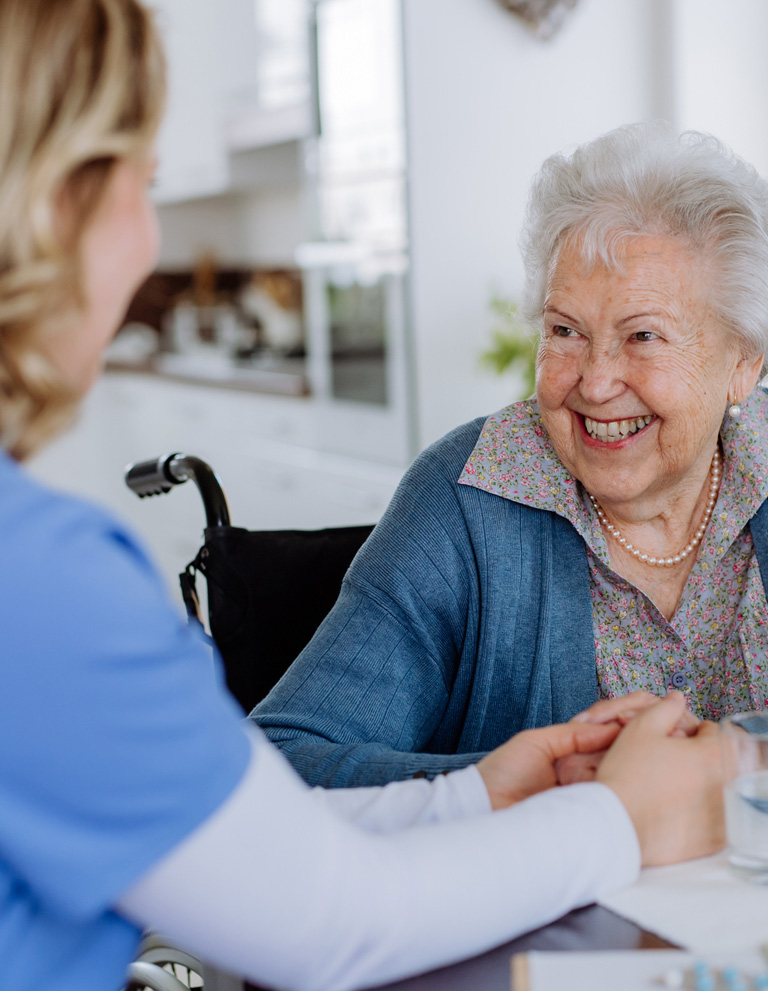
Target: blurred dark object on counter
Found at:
265, 303
205, 295
236, 327
161, 292
272, 300
545, 16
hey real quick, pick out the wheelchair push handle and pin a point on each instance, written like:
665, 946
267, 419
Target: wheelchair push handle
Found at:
160, 475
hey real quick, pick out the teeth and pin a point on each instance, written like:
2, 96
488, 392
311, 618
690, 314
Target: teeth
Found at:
614, 430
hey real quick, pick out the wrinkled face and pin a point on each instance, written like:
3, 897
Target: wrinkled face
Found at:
634, 371
118, 250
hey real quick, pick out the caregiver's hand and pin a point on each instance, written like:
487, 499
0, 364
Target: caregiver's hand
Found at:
670, 786
525, 765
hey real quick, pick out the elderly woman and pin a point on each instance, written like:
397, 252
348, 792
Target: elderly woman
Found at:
605, 536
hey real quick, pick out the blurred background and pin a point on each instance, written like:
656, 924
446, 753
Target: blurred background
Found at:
341, 189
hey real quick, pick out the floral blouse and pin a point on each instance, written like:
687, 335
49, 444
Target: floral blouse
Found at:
715, 647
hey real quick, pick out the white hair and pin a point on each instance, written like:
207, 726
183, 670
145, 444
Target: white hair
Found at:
645, 179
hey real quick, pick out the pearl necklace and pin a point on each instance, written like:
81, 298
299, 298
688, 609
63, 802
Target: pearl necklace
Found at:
666, 562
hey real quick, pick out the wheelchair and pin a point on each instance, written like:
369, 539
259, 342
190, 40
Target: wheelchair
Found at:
268, 591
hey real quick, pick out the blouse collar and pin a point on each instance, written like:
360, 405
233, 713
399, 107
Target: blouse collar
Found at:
514, 458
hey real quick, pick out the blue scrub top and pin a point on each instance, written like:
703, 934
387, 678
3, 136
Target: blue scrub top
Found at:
117, 737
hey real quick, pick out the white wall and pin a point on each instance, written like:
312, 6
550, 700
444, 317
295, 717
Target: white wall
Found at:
239, 229
487, 102
721, 72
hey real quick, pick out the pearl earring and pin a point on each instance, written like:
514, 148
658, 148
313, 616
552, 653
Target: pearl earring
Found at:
734, 411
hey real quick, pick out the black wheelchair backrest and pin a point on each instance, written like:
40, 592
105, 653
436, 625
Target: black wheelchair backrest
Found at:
268, 590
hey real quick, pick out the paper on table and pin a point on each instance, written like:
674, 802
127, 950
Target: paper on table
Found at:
699, 905
639, 970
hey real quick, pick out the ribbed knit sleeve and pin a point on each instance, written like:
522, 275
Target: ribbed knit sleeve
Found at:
464, 619
368, 694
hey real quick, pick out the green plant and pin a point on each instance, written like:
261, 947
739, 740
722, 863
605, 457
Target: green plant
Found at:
513, 345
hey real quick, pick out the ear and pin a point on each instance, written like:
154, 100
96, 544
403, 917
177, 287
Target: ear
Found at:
744, 378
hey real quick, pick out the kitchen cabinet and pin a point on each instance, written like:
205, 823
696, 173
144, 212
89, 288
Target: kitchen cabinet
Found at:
192, 159
238, 81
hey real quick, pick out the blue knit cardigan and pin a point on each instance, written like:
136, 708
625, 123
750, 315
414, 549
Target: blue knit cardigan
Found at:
464, 619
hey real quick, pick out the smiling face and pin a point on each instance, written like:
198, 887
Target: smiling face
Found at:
634, 371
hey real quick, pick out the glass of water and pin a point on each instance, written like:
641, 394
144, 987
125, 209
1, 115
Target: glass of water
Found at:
745, 758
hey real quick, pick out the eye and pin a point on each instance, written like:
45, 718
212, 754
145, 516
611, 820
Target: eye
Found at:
559, 330
644, 335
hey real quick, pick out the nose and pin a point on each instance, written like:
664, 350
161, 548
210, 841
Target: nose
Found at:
600, 375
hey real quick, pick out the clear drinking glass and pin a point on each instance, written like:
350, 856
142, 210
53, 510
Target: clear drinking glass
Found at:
745, 758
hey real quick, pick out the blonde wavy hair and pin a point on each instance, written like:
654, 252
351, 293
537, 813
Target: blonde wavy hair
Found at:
82, 86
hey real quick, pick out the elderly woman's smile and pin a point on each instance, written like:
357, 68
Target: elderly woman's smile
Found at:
634, 372
613, 431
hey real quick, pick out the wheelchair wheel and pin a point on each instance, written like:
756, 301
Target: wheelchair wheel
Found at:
170, 968
143, 976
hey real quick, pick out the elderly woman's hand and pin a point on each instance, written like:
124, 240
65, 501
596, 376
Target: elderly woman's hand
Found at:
621, 710
624, 709
526, 764
574, 768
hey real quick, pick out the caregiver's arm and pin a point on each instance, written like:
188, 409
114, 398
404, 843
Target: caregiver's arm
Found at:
274, 869
519, 768
278, 888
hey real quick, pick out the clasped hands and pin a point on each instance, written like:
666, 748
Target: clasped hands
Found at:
618, 713
661, 761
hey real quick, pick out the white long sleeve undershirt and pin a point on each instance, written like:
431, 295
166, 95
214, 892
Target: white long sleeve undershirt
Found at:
331, 890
